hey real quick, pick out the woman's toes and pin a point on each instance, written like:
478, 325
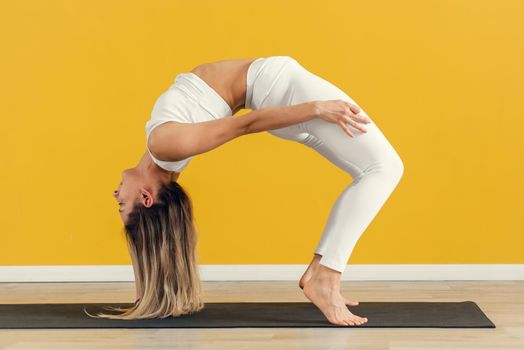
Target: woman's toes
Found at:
338, 322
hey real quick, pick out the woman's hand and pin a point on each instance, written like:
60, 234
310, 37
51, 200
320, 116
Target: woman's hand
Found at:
341, 112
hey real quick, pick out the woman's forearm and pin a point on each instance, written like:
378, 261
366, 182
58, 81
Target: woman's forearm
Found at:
278, 117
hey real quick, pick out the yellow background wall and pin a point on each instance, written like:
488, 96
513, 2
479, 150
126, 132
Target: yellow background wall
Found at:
442, 79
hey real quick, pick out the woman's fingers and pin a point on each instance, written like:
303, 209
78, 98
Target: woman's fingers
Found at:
361, 118
354, 124
345, 128
354, 113
358, 126
354, 108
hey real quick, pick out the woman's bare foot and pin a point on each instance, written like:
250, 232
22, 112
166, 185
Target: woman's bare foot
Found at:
309, 272
323, 290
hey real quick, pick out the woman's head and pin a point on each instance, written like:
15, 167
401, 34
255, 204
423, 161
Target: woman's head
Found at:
135, 188
161, 233
140, 185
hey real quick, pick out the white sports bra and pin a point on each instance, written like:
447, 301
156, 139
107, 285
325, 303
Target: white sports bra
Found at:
188, 100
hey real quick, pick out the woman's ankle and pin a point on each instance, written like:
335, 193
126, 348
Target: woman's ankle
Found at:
314, 262
327, 275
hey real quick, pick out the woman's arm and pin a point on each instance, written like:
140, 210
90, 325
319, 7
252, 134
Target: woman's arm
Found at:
177, 141
278, 117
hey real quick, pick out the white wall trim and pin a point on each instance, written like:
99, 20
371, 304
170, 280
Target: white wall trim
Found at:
232, 272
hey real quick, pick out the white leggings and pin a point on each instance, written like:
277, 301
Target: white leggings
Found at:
369, 158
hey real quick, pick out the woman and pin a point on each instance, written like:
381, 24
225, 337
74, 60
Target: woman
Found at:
195, 115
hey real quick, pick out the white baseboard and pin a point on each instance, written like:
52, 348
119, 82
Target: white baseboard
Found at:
354, 272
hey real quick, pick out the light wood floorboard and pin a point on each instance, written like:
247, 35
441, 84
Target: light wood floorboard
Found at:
502, 301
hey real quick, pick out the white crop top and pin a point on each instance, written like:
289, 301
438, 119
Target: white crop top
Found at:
188, 100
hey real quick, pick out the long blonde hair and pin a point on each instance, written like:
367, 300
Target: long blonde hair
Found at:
163, 238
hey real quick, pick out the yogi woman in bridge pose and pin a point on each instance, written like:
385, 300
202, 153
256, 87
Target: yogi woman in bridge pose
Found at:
195, 115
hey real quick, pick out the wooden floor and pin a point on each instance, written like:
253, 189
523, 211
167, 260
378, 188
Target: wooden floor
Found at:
502, 301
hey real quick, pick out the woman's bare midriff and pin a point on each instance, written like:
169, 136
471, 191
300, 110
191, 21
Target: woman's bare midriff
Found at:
228, 79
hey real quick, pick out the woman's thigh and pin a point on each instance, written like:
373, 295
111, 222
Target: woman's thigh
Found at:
364, 153
356, 155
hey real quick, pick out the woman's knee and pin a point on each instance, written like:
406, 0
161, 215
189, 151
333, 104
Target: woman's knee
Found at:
394, 167
390, 166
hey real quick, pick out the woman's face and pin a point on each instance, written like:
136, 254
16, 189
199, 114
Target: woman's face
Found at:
128, 192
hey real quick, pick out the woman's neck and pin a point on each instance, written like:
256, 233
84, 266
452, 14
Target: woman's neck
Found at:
152, 170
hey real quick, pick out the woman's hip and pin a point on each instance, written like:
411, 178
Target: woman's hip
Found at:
294, 85
269, 82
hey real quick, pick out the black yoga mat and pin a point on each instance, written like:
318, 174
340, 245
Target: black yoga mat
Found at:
464, 314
